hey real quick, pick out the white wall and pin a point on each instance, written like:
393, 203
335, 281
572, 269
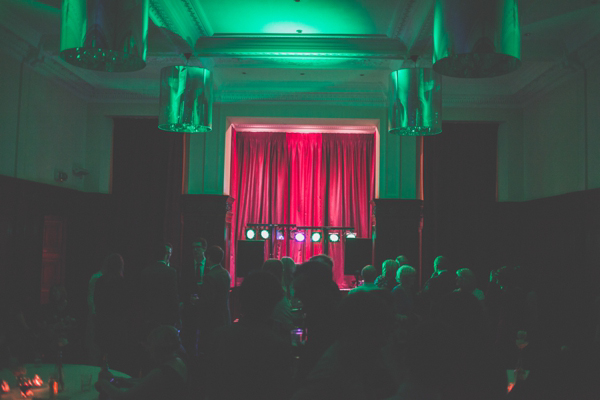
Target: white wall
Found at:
559, 155
550, 147
47, 131
593, 125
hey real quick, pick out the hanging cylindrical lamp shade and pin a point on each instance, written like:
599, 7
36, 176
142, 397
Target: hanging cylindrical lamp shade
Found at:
476, 38
105, 35
415, 102
185, 99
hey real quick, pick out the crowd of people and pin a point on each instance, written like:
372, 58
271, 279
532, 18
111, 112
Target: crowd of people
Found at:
299, 336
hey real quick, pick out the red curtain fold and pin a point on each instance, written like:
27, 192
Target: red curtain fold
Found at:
306, 191
303, 179
350, 189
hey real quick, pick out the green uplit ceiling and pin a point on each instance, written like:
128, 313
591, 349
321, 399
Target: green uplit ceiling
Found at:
344, 45
331, 17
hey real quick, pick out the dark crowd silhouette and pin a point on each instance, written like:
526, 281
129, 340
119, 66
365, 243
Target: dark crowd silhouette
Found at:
298, 336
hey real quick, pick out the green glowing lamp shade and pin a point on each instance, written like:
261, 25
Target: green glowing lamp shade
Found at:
475, 38
415, 102
185, 99
105, 35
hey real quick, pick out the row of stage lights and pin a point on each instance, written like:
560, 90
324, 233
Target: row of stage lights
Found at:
297, 235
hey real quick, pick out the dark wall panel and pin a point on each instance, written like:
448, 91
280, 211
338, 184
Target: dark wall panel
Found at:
397, 230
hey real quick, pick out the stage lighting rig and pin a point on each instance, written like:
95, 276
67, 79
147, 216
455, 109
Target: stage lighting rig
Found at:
250, 234
316, 236
334, 237
265, 233
298, 236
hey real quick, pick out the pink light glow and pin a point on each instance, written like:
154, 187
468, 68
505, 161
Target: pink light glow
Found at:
37, 381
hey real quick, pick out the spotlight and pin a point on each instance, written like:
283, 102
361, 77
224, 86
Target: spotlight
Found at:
334, 237
351, 235
299, 236
279, 235
265, 234
250, 234
316, 237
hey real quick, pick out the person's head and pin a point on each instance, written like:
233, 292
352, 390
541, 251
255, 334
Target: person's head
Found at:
465, 280
506, 277
406, 276
58, 294
389, 268
199, 246
402, 260
163, 251
259, 294
163, 342
369, 274
274, 267
324, 259
289, 267
214, 255
313, 283
440, 264
113, 265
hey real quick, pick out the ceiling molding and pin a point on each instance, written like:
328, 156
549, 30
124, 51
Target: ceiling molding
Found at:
413, 26
301, 46
302, 128
183, 17
401, 16
560, 72
159, 15
122, 96
51, 67
321, 98
196, 12
479, 101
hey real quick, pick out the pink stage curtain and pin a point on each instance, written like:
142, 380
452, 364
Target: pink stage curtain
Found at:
350, 189
303, 179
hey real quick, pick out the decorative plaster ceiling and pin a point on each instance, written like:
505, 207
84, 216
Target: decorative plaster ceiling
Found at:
339, 51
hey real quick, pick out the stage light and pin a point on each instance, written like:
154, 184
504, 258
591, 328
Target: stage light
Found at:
299, 236
334, 237
279, 235
265, 234
316, 237
350, 235
250, 234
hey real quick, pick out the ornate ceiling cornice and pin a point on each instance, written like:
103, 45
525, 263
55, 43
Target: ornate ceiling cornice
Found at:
305, 46
45, 64
560, 72
401, 17
197, 16
321, 98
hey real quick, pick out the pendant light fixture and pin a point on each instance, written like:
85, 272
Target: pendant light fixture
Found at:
185, 99
105, 35
476, 38
415, 102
